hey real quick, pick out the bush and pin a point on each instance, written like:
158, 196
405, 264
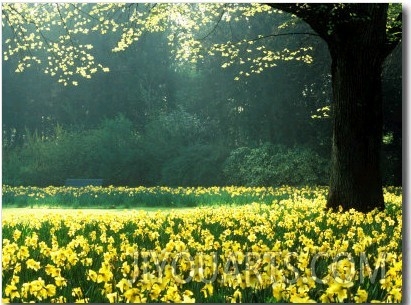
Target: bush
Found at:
197, 165
274, 165
166, 138
111, 151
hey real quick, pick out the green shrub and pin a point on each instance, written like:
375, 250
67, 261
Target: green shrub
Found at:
166, 138
197, 165
112, 152
274, 165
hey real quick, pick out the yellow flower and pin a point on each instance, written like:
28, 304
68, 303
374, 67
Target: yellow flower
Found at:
155, 291
72, 258
171, 294
123, 285
16, 234
23, 253
301, 300
85, 300
305, 226
32, 264
60, 281
112, 297
51, 290
6, 261
92, 275
252, 237
15, 279
104, 274
339, 289
32, 241
236, 297
77, 292
133, 296
187, 297
385, 284
60, 299
361, 296
278, 288
93, 235
44, 249
208, 290
52, 270
88, 261
36, 288
11, 291
125, 269
395, 295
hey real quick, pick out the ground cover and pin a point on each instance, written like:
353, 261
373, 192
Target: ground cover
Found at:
138, 197
287, 250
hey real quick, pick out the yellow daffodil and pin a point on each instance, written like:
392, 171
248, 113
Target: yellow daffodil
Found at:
92, 275
77, 292
207, 290
52, 270
301, 300
339, 290
132, 295
23, 253
11, 291
155, 291
293, 245
361, 296
50, 290
84, 300
188, 297
32, 264
60, 281
112, 297
125, 269
123, 285
16, 234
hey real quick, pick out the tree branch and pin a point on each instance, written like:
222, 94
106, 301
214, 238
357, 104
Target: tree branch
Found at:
275, 35
216, 25
316, 17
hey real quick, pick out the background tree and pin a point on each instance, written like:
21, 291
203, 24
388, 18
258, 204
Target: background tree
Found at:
249, 40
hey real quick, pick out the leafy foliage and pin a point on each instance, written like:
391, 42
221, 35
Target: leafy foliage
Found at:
275, 165
39, 28
110, 151
166, 79
197, 165
59, 30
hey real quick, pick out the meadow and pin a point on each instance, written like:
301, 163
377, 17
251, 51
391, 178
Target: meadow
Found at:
138, 197
233, 244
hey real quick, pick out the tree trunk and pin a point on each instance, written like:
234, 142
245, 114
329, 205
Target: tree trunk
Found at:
356, 34
357, 134
357, 59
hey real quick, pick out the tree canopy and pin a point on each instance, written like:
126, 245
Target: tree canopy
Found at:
60, 31
189, 42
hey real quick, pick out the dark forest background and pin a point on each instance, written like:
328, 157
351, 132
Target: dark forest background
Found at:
155, 120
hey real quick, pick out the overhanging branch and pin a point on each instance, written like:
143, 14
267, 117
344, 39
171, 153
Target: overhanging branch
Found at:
275, 35
216, 25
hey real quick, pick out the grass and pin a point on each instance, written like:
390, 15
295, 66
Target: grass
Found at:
41, 210
138, 197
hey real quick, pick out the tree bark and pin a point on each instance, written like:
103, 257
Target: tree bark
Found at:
357, 131
357, 54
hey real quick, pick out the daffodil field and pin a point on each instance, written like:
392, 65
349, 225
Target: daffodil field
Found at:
263, 245
130, 197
